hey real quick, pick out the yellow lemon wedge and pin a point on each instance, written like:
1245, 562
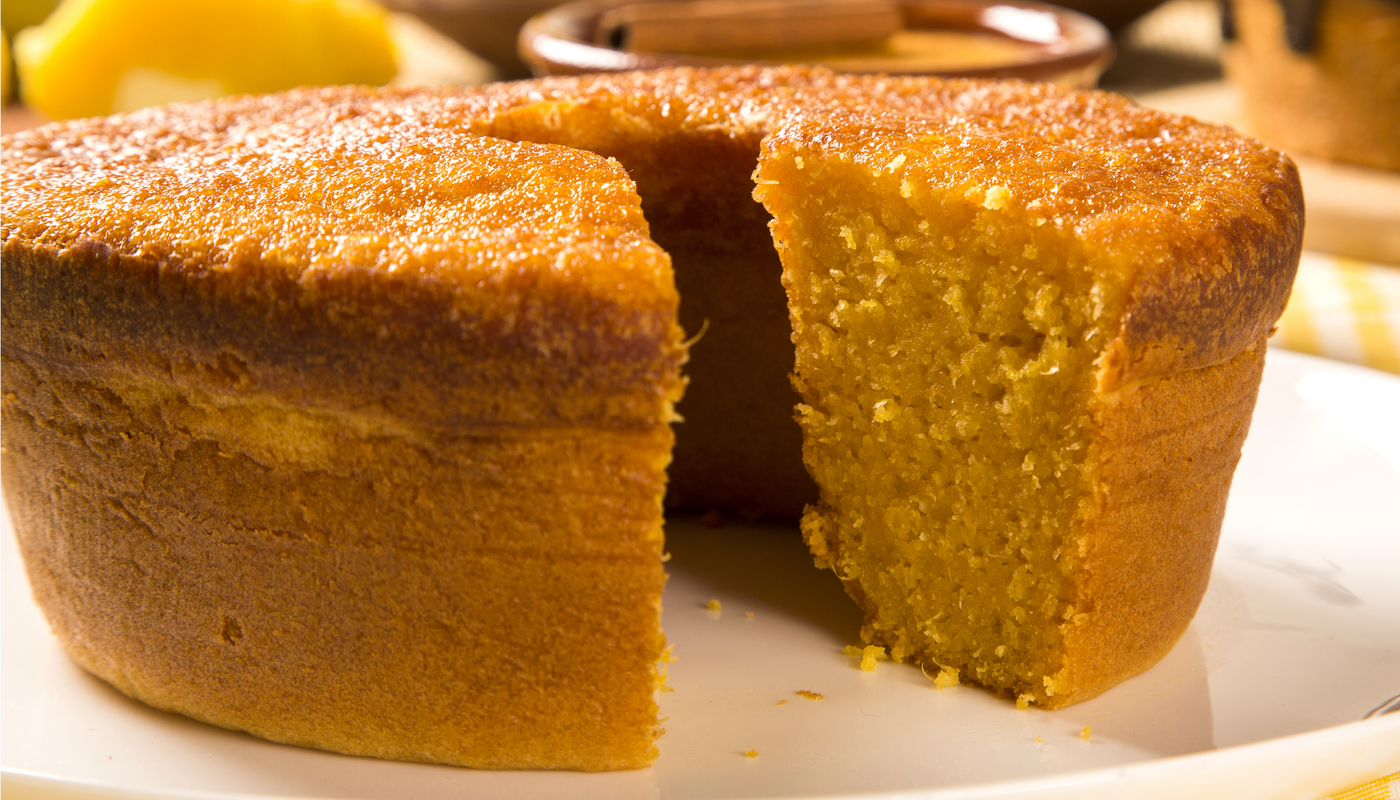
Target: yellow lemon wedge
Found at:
16, 15
94, 57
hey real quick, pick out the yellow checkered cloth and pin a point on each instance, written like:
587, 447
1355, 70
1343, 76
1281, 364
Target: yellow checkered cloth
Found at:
1348, 310
1344, 309
1387, 788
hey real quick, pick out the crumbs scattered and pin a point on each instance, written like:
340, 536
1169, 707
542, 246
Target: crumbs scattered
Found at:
810, 695
1023, 701
1038, 739
751, 754
667, 657
748, 615
780, 703
1086, 732
868, 655
946, 677
712, 610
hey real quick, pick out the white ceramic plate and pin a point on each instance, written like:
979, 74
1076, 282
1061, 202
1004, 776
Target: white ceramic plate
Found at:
1297, 643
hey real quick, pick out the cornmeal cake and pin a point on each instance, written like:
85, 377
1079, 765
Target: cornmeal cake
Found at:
343, 416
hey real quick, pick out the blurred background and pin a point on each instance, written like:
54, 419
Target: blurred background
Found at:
1318, 79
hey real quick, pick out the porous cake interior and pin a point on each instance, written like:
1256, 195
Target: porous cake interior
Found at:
945, 354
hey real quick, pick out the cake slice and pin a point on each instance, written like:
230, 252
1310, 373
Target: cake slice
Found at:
1028, 364
347, 435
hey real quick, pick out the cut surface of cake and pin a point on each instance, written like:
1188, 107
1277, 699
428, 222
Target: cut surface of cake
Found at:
343, 416
1002, 495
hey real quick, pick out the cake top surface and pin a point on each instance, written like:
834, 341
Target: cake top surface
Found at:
400, 163
295, 188
349, 182
1082, 154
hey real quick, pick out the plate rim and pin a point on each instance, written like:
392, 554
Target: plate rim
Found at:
1382, 729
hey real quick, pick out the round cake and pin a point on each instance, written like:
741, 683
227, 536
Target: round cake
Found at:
343, 416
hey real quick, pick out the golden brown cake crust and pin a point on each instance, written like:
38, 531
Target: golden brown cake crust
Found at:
1152, 527
355, 605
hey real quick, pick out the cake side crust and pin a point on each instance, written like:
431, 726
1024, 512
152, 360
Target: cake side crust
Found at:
1166, 452
389, 595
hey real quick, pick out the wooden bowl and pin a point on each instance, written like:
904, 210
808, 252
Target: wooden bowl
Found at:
1017, 39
